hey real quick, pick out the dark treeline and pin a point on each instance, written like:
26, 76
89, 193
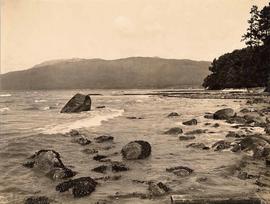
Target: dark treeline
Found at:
247, 67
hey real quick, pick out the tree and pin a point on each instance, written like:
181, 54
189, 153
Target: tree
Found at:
264, 25
252, 37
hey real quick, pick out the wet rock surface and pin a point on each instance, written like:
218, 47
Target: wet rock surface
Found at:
224, 114
180, 171
80, 187
49, 163
174, 131
138, 149
191, 122
77, 103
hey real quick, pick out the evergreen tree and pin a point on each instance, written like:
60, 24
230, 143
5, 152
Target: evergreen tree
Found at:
264, 25
252, 38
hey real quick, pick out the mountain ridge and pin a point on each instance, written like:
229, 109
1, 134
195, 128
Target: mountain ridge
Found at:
124, 73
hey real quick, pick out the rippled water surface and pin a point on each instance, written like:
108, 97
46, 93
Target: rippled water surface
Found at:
31, 121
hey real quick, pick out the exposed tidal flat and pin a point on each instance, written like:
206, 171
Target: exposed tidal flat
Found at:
212, 157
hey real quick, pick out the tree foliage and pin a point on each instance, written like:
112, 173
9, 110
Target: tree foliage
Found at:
248, 67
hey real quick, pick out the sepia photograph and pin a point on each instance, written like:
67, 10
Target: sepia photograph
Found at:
135, 102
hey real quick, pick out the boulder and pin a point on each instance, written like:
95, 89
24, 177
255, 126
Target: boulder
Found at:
49, 163
224, 114
77, 103
174, 131
37, 200
187, 137
181, 171
80, 187
157, 189
198, 146
221, 145
138, 149
191, 122
104, 138
173, 114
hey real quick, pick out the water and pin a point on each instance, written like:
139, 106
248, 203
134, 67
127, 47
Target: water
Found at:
31, 121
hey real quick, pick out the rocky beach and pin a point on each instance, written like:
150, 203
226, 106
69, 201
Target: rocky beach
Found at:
136, 146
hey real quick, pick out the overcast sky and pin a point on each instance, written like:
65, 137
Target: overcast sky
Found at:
33, 31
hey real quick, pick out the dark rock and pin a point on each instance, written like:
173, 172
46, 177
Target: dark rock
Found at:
99, 107
173, 114
207, 123
258, 121
133, 117
224, 114
209, 116
198, 146
80, 187
234, 135
174, 131
180, 171
157, 189
90, 151
267, 129
99, 157
191, 122
196, 132
37, 200
74, 133
77, 103
236, 119
216, 125
221, 145
100, 169
189, 137
138, 149
104, 138
119, 166
267, 161
245, 110
49, 163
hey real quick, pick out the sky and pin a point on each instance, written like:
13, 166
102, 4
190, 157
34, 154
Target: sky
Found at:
34, 31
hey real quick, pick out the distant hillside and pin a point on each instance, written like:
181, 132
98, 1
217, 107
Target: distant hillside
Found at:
134, 72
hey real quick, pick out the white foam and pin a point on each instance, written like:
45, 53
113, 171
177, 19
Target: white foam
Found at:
4, 109
40, 100
96, 120
5, 95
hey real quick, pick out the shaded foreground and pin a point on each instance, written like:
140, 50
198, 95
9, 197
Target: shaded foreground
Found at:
205, 153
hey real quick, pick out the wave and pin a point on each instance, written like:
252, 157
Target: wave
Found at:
40, 101
96, 120
4, 109
5, 95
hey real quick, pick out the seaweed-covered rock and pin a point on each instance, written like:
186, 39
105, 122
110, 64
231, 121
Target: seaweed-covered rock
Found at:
174, 131
77, 103
191, 122
104, 138
138, 149
80, 187
221, 145
173, 114
224, 114
158, 189
37, 200
49, 163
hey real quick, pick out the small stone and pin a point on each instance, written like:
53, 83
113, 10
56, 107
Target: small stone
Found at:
104, 138
191, 122
221, 145
196, 132
99, 157
187, 137
100, 169
158, 189
90, 151
198, 146
180, 171
174, 131
173, 114
37, 200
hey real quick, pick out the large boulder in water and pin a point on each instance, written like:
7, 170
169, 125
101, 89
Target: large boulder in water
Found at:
138, 149
49, 163
77, 103
80, 187
224, 114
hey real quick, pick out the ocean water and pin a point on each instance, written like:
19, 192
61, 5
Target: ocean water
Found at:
31, 120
